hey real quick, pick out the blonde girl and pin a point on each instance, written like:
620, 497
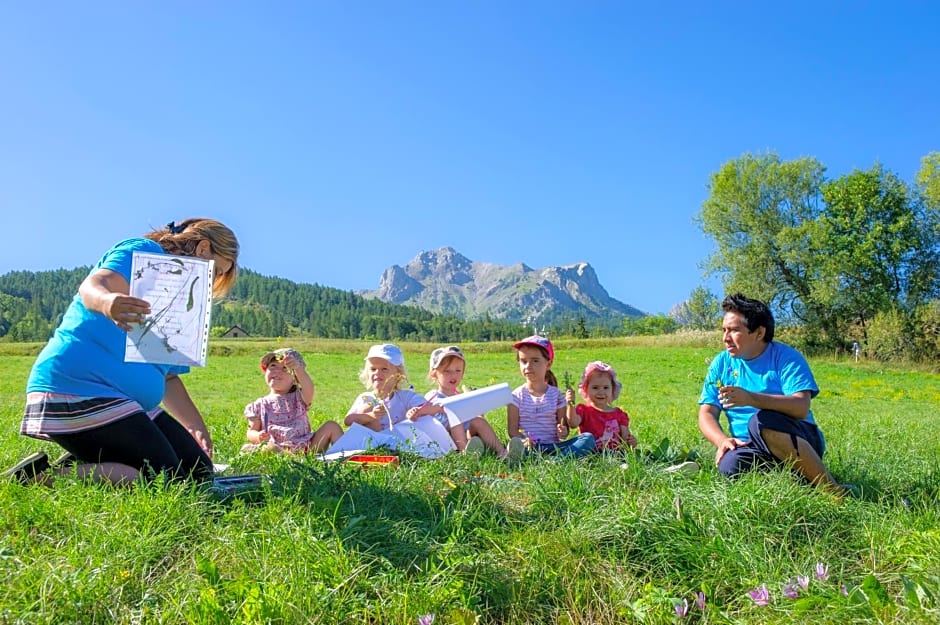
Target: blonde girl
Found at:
386, 402
609, 425
280, 420
447, 368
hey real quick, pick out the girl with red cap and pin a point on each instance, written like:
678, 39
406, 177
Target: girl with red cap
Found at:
537, 417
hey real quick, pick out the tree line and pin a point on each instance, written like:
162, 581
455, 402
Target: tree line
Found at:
32, 305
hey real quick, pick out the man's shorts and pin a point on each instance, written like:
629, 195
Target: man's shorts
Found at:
756, 454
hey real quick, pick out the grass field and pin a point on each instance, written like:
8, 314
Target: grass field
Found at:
463, 539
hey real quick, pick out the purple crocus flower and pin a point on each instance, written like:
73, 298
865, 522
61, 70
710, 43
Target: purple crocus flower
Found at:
427, 619
791, 590
803, 581
700, 600
760, 595
822, 571
844, 590
682, 608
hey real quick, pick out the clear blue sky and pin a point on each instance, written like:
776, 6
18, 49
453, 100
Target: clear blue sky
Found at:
340, 138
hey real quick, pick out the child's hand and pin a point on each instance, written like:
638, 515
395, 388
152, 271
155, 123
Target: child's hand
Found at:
263, 436
630, 440
412, 413
292, 363
569, 396
562, 431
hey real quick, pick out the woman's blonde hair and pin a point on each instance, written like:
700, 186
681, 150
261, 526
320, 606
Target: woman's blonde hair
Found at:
183, 237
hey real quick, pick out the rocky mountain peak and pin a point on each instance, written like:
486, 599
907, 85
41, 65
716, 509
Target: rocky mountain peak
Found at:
444, 281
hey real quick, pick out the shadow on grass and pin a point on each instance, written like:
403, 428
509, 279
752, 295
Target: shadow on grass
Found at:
397, 515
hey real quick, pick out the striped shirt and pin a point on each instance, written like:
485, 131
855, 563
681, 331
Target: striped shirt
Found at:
538, 415
57, 413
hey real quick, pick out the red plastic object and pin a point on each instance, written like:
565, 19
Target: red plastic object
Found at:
373, 461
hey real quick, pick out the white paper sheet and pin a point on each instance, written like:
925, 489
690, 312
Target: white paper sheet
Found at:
465, 406
179, 290
425, 437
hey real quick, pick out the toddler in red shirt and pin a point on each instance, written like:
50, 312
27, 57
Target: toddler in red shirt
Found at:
609, 425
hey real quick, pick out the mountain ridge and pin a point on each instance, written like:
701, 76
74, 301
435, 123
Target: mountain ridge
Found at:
444, 281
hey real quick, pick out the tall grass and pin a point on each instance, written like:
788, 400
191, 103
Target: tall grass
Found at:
607, 540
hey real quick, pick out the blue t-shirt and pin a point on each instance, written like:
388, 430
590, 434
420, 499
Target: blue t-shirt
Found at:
85, 355
780, 370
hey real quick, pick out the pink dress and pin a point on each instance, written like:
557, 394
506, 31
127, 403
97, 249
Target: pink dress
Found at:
284, 417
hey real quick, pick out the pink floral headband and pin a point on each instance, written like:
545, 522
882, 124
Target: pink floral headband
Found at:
599, 367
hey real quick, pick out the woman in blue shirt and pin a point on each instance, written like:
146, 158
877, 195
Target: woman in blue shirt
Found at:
120, 420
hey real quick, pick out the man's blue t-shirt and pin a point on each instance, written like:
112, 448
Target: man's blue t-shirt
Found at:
85, 356
779, 370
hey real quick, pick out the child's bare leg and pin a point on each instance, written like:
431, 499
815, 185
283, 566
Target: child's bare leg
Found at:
480, 427
325, 436
458, 433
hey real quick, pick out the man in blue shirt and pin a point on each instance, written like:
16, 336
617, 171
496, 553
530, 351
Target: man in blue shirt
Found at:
764, 388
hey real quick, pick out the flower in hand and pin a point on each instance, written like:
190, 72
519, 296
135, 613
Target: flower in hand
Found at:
569, 397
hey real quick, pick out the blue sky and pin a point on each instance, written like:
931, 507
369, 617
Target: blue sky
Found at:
339, 138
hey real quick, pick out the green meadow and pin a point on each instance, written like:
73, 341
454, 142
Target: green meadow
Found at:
466, 540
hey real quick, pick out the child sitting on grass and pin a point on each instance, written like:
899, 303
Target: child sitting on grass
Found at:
386, 404
447, 368
537, 416
609, 425
279, 421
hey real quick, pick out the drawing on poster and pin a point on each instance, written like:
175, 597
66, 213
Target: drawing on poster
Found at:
179, 291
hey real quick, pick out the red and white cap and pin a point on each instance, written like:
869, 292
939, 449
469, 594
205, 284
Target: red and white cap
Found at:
538, 341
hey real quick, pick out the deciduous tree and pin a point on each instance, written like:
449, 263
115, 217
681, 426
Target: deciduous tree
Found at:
700, 311
827, 253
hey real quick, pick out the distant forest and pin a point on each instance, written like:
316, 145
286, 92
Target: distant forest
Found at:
32, 305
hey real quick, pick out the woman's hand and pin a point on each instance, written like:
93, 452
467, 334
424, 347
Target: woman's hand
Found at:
202, 437
125, 310
107, 292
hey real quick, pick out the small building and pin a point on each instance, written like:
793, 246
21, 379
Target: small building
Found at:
235, 332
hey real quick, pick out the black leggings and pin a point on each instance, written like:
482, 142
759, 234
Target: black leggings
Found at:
161, 445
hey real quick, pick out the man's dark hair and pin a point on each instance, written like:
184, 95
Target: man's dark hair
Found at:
755, 313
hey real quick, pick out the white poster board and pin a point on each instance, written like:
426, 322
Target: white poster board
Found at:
179, 290
465, 406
